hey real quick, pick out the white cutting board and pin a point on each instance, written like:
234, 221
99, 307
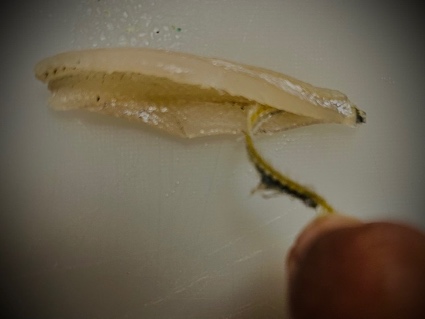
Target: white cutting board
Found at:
108, 219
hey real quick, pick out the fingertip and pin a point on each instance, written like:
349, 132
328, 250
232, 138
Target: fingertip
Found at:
319, 226
340, 267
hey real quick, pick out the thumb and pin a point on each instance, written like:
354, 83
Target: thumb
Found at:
340, 267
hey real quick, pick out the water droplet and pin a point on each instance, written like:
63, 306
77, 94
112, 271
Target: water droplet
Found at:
133, 41
122, 40
144, 115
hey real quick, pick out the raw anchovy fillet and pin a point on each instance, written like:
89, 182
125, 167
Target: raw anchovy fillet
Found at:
187, 95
